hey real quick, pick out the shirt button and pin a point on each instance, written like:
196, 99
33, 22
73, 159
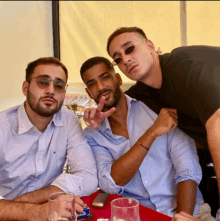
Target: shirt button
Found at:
145, 181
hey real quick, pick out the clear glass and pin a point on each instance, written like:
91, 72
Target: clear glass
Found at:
125, 209
61, 207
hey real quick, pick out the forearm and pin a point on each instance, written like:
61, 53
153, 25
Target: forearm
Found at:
186, 196
125, 167
213, 137
10, 210
39, 196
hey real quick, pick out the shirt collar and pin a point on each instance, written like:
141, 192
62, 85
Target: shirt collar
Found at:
25, 125
105, 124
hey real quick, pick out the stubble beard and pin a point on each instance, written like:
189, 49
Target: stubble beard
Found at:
37, 108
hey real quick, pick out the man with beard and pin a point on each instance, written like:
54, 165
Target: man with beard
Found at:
139, 154
36, 138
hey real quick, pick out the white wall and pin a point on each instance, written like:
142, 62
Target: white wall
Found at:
26, 34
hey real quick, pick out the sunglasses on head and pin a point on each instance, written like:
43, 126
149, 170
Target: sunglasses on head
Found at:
127, 51
43, 82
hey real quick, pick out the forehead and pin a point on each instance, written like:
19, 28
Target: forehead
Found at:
118, 41
54, 71
95, 71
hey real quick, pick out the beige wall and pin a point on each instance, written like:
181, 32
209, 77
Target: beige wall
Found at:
26, 34
86, 25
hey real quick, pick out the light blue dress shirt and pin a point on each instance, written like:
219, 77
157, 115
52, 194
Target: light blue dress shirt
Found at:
30, 159
171, 159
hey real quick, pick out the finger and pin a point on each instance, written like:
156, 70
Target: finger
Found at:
86, 114
172, 110
92, 114
78, 208
79, 201
109, 112
101, 104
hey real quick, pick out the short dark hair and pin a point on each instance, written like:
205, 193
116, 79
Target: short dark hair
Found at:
122, 30
94, 61
46, 60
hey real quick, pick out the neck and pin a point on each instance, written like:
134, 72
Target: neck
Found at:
154, 77
121, 111
38, 121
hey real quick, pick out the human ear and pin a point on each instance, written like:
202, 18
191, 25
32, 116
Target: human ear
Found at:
25, 88
119, 80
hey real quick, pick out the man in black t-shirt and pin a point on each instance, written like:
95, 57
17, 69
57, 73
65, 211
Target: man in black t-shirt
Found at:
187, 79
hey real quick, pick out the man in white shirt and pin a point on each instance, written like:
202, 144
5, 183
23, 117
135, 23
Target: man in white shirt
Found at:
36, 138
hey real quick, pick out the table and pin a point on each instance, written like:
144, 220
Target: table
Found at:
146, 214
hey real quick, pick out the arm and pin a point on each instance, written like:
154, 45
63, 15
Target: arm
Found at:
188, 172
38, 196
186, 196
125, 167
83, 178
10, 210
213, 136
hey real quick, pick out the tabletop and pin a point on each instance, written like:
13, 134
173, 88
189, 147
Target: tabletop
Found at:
146, 214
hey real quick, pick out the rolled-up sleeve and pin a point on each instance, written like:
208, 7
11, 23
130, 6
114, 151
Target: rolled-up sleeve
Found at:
104, 162
83, 179
184, 157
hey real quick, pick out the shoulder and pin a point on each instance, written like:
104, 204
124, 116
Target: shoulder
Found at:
66, 115
8, 116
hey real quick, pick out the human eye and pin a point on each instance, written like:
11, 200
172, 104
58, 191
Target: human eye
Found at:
117, 60
105, 77
43, 81
129, 49
90, 84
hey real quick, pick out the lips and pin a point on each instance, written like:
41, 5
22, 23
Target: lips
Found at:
104, 94
132, 68
48, 100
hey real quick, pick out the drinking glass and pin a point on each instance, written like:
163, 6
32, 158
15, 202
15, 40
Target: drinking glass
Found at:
125, 209
61, 207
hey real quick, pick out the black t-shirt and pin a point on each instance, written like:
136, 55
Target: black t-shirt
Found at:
190, 84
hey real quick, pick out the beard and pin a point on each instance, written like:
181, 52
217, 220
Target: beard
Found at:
116, 97
37, 108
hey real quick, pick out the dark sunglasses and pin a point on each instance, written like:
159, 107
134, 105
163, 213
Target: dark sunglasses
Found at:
128, 50
43, 82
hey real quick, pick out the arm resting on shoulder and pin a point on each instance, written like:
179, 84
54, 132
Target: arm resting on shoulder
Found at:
213, 136
186, 196
39, 196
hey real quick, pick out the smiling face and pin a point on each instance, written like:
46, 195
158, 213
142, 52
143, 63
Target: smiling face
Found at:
103, 82
136, 64
44, 101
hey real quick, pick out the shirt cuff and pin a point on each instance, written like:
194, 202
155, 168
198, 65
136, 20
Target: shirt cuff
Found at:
112, 187
66, 183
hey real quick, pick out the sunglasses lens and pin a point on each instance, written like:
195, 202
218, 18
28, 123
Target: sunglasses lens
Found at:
42, 82
59, 86
129, 50
117, 60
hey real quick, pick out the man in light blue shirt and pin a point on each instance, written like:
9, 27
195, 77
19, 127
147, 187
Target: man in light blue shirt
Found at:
36, 138
139, 154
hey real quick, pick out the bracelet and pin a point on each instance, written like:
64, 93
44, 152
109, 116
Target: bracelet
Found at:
142, 145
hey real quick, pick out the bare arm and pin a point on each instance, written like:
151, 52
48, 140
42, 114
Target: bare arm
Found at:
213, 136
10, 210
125, 167
186, 196
39, 196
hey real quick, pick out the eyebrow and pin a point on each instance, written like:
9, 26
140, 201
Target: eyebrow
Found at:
122, 46
47, 76
101, 75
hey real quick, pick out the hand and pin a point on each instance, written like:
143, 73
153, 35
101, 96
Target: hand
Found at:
79, 204
95, 116
166, 121
182, 216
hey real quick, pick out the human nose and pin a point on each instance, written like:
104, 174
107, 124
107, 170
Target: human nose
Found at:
100, 86
126, 59
50, 89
